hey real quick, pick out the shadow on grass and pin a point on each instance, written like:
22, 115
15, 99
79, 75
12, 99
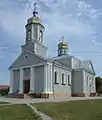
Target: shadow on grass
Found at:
4, 103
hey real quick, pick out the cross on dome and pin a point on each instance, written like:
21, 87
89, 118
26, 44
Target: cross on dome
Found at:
62, 38
35, 10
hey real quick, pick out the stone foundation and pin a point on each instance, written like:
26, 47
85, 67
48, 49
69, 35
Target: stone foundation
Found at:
57, 95
83, 94
13, 95
39, 95
92, 94
78, 94
47, 95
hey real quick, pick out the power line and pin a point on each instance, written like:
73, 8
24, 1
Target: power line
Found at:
4, 48
12, 49
76, 52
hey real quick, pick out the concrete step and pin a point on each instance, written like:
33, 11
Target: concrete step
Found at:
26, 96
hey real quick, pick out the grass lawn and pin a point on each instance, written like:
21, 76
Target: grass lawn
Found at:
73, 110
17, 112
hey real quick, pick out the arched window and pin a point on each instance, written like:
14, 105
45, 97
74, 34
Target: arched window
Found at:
59, 52
63, 79
69, 80
41, 36
55, 77
29, 35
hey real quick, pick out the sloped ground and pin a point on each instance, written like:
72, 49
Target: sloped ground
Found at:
17, 112
72, 110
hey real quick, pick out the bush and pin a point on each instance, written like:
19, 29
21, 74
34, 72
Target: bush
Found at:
4, 92
99, 90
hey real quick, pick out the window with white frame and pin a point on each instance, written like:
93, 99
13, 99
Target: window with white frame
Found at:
56, 77
63, 79
69, 80
87, 81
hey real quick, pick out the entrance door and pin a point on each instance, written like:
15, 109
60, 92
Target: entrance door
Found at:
26, 86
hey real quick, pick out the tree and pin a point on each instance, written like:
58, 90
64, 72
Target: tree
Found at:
4, 92
98, 81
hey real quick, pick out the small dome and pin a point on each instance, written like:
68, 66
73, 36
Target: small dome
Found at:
62, 48
35, 20
63, 45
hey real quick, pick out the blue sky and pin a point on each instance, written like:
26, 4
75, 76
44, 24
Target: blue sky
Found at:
79, 21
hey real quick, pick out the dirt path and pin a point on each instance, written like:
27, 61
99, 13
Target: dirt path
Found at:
22, 101
43, 116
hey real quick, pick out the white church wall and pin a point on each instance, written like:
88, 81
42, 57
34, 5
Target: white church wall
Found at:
75, 63
49, 77
39, 79
77, 82
59, 88
89, 81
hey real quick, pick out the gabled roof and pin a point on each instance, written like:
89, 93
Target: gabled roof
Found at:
85, 65
31, 59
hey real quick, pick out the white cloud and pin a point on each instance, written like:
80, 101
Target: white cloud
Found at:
88, 10
69, 18
14, 22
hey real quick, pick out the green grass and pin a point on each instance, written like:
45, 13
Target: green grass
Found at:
73, 110
17, 112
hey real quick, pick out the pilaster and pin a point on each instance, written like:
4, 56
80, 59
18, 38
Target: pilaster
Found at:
50, 78
83, 79
11, 81
21, 80
32, 80
38, 32
45, 78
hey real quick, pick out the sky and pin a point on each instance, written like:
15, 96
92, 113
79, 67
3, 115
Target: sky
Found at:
79, 21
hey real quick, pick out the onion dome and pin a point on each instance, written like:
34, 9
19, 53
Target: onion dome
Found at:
35, 19
62, 48
63, 45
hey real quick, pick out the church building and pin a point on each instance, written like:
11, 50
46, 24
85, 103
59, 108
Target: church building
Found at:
35, 75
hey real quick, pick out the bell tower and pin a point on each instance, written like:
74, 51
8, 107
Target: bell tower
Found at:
34, 34
34, 28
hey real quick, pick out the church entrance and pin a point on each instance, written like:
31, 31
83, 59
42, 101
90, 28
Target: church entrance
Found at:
26, 86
